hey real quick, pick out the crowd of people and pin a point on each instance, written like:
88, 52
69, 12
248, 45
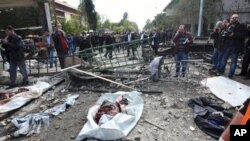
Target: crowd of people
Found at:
229, 41
59, 45
228, 38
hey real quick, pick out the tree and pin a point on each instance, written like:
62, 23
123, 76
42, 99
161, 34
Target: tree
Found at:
72, 26
121, 26
88, 11
107, 24
125, 16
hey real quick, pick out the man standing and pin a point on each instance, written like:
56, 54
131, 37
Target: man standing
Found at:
182, 41
216, 36
130, 37
50, 47
155, 42
16, 55
109, 49
233, 35
60, 42
245, 70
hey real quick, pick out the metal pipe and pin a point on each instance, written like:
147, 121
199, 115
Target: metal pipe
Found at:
200, 18
48, 18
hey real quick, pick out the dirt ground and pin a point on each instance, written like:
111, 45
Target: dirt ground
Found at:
168, 110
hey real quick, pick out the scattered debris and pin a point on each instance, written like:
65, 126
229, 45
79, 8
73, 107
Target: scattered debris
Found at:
191, 128
153, 124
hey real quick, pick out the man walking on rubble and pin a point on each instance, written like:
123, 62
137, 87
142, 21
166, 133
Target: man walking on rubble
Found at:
60, 42
182, 41
14, 44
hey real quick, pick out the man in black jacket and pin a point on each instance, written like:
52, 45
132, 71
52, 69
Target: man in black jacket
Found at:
245, 70
16, 56
233, 35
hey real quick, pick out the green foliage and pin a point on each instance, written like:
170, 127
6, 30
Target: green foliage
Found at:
123, 25
72, 26
88, 10
107, 24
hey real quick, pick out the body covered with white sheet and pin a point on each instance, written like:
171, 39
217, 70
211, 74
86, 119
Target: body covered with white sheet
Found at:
120, 125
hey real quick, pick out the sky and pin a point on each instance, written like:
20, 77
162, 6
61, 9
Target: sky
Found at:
138, 10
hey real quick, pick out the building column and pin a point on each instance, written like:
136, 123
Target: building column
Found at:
48, 16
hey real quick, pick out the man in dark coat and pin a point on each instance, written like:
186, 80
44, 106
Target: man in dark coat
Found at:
233, 36
60, 43
155, 42
245, 70
16, 56
129, 38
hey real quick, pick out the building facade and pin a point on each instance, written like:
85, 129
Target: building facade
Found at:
65, 11
223, 10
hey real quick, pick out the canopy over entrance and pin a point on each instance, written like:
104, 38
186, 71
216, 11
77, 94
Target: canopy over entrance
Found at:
19, 3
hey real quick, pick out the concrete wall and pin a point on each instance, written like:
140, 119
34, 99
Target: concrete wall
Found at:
241, 7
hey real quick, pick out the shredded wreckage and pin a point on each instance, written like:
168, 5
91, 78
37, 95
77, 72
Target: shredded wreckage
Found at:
118, 99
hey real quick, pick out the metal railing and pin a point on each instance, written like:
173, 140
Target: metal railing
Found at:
126, 54
118, 55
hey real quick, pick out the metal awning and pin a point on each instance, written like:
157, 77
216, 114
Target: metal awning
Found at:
19, 3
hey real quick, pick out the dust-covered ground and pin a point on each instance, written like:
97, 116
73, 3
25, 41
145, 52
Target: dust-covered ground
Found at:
171, 118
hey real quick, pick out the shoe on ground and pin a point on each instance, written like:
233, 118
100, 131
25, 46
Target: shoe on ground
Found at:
247, 78
26, 83
230, 76
241, 74
11, 86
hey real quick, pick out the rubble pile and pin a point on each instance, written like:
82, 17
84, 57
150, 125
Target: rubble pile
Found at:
163, 114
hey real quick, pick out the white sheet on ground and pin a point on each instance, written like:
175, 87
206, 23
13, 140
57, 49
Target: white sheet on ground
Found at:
34, 122
228, 90
20, 99
120, 125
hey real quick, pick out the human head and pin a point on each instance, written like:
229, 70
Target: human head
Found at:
219, 24
225, 23
9, 30
234, 18
46, 32
182, 28
58, 26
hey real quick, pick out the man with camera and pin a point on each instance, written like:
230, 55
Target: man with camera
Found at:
218, 44
14, 45
232, 42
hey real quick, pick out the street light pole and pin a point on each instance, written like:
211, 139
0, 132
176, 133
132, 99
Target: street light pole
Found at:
200, 18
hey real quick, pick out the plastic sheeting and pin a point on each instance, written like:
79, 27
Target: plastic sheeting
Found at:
61, 108
120, 125
20, 99
153, 66
228, 90
33, 123
30, 124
